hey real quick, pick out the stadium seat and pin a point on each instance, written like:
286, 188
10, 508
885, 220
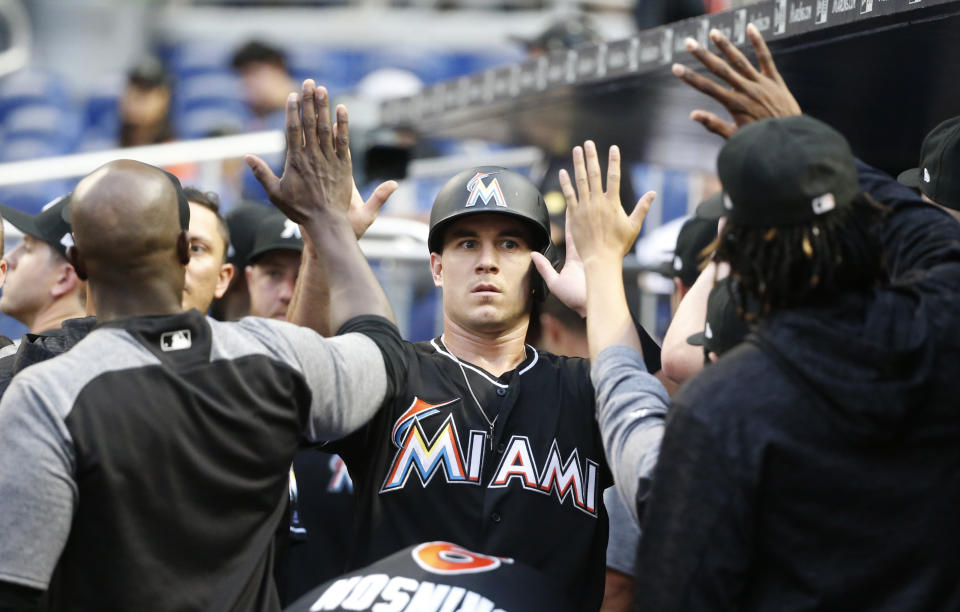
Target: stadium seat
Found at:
29, 87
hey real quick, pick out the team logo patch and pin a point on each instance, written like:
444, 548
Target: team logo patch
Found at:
445, 558
485, 192
176, 340
290, 230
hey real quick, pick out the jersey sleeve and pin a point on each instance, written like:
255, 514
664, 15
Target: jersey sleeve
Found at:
392, 347
38, 492
345, 374
631, 407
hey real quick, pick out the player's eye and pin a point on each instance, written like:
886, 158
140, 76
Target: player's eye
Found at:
510, 244
468, 244
197, 248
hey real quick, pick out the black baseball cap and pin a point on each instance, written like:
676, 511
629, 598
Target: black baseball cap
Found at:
785, 171
724, 329
275, 232
938, 176
242, 222
695, 235
47, 225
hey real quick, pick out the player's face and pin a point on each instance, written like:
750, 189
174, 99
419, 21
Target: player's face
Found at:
484, 272
271, 281
207, 275
32, 269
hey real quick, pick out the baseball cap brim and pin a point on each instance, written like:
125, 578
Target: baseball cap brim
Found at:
24, 222
697, 339
910, 178
712, 207
279, 245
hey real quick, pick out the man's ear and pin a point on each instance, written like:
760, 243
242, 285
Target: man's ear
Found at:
435, 268
227, 271
183, 247
76, 260
67, 280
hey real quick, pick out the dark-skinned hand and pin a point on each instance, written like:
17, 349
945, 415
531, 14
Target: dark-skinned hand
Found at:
752, 94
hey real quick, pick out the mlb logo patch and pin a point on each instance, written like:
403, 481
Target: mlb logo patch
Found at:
176, 340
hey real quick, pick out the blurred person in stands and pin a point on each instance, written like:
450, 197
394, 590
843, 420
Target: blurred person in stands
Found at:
938, 175
807, 467
210, 414
653, 13
42, 289
274, 266
145, 105
266, 81
208, 272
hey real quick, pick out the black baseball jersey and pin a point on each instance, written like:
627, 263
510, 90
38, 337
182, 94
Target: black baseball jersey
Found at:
427, 467
148, 465
439, 576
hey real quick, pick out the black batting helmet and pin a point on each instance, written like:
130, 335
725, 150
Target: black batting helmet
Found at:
489, 189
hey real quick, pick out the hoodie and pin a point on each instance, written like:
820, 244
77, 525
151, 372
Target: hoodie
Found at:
35, 348
817, 465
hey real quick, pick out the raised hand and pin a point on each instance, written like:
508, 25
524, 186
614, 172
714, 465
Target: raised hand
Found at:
601, 229
318, 171
362, 214
753, 94
569, 285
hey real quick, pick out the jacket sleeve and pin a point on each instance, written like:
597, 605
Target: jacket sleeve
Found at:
631, 405
917, 235
697, 526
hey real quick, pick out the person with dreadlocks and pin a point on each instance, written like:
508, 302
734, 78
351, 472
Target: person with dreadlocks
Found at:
814, 465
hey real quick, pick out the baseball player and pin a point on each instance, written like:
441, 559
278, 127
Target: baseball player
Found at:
482, 440
146, 468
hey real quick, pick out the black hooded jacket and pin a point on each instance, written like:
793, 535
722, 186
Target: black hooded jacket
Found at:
817, 465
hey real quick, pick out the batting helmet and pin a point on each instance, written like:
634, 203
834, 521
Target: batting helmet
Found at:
489, 189
492, 189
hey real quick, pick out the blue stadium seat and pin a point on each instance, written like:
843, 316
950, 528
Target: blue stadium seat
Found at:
196, 58
337, 69
22, 148
201, 122
428, 64
31, 197
28, 87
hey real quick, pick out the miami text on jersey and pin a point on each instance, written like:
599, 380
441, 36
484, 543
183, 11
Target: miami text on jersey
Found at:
426, 456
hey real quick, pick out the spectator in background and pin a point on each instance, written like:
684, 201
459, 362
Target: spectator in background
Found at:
145, 105
42, 289
208, 273
266, 81
274, 266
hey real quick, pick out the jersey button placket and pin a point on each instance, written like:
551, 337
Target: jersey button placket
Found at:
501, 391
495, 517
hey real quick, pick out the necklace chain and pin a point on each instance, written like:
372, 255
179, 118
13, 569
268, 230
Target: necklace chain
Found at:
490, 423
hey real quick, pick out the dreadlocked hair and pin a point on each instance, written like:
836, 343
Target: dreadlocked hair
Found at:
799, 265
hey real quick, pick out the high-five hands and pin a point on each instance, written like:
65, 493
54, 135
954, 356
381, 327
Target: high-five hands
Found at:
753, 94
318, 170
600, 227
